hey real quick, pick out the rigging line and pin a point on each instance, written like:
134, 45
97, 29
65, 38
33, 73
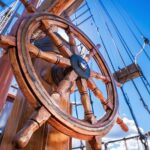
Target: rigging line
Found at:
103, 44
138, 29
131, 58
148, 57
122, 57
80, 15
115, 43
83, 5
115, 27
139, 53
144, 104
102, 41
76, 23
114, 69
125, 46
141, 99
84, 20
142, 137
136, 38
89, 91
144, 80
5, 30
75, 99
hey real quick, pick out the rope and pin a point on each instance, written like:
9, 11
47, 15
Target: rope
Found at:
142, 137
139, 53
138, 29
102, 41
146, 41
120, 36
76, 109
7, 14
143, 142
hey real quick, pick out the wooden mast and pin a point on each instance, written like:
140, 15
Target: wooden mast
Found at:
6, 76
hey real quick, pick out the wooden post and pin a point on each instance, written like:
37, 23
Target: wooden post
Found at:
5, 78
12, 123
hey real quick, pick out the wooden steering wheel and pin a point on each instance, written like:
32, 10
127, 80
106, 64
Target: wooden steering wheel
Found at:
76, 69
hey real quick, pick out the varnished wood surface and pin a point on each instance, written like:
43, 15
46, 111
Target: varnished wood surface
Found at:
12, 123
128, 73
85, 134
6, 76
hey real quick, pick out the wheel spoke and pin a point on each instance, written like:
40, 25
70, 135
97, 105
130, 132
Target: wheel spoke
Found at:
82, 86
105, 79
7, 41
99, 76
72, 41
50, 57
123, 126
64, 86
73, 87
90, 55
29, 7
99, 94
106, 104
58, 42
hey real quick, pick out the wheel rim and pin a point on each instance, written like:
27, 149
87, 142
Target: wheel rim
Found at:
69, 125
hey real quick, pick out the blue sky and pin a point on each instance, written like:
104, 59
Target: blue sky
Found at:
140, 13
138, 10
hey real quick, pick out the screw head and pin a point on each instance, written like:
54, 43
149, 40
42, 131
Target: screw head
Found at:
83, 65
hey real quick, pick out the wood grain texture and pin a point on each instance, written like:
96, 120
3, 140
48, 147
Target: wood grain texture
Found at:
60, 6
72, 8
7, 41
6, 76
73, 126
12, 123
49, 57
28, 6
36, 120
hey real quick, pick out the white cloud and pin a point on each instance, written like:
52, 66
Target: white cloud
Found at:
77, 142
117, 133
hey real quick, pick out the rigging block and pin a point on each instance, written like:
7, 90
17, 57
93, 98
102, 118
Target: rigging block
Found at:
128, 73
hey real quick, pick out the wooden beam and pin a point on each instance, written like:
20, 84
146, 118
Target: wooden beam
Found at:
6, 76
49, 4
57, 7
130, 72
12, 123
70, 10
61, 6
7, 41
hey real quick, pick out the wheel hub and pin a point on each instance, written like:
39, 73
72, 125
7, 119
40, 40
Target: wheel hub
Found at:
80, 66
